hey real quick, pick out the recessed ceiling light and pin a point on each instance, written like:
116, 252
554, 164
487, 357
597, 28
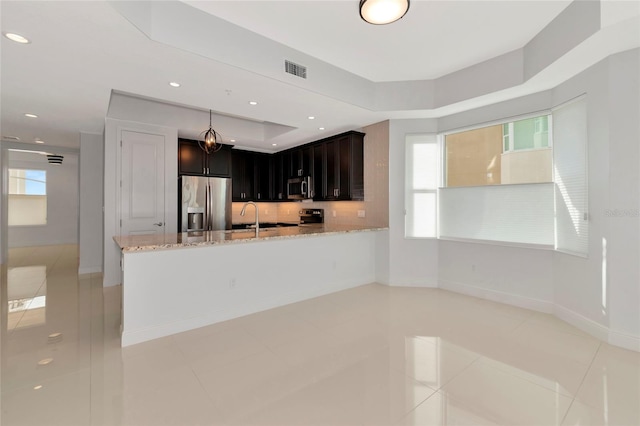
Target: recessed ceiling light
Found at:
320, 128
232, 140
311, 117
28, 114
17, 38
174, 84
39, 141
38, 387
253, 103
274, 144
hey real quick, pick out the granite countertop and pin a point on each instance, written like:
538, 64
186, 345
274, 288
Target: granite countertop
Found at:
135, 243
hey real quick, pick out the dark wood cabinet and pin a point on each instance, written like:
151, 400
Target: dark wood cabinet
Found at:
280, 176
252, 176
344, 167
242, 175
263, 177
336, 165
301, 162
192, 160
319, 171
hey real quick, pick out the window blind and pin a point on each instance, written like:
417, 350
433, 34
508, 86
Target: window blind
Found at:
570, 175
520, 214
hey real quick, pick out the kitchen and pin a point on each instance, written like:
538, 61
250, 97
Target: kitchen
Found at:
222, 272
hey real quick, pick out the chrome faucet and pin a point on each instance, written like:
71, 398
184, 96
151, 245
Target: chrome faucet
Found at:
244, 208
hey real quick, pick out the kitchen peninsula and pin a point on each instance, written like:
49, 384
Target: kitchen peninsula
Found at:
177, 282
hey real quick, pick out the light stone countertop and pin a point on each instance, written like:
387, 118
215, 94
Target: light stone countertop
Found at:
138, 243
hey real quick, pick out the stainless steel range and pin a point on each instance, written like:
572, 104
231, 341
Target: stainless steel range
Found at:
311, 217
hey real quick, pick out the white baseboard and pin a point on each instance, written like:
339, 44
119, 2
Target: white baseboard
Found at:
132, 337
90, 270
597, 330
498, 296
624, 340
583, 323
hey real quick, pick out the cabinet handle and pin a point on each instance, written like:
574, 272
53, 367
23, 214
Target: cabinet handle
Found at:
258, 195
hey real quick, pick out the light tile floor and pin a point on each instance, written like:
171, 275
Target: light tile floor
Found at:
373, 355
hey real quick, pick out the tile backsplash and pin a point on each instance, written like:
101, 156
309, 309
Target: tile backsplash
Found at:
376, 192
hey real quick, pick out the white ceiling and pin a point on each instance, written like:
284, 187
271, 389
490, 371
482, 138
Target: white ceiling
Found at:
434, 38
83, 51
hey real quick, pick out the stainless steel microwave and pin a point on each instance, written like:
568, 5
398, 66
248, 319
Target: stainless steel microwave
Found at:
300, 188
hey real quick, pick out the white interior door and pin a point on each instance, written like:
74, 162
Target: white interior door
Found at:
142, 184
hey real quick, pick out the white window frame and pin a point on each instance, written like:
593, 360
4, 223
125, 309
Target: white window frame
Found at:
410, 191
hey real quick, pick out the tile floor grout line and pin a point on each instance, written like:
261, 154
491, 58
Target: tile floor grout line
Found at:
581, 382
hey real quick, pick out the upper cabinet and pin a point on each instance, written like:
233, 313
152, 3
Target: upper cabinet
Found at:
252, 176
192, 160
343, 172
335, 164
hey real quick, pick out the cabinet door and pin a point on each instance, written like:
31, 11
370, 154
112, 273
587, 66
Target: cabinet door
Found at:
333, 171
190, 158
356, 167
319, 172
219, 163
306, 161
262, 177
343, 181
279, 178
241, 176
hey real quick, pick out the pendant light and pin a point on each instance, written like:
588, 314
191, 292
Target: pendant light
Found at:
211, 142
380, 12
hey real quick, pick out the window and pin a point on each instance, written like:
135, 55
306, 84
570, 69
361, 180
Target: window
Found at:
27, 197
422, 158
504, 183
514, 152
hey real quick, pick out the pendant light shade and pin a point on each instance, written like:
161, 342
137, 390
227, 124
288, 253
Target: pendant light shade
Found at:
212, 138
380, 12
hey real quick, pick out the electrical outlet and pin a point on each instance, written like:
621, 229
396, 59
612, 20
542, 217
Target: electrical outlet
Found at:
266, 211
361, 213
333, 212
232, 283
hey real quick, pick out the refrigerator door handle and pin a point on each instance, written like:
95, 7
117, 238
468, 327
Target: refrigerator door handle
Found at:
205, 223
210, 216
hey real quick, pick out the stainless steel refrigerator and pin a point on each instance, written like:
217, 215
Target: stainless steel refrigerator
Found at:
206, 203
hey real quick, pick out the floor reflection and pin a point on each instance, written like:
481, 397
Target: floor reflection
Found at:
365, 356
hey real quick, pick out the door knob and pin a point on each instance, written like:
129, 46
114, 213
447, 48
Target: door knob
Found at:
158, 224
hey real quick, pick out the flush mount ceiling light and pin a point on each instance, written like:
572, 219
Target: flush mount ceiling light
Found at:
253, 103
28, 114
17, 38
174, 84
211, 142
380, 12
54, 159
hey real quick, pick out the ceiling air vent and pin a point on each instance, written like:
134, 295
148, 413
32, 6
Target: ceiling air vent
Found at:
295, 69
55, 158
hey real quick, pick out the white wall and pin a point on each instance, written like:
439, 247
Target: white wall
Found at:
91, 199
169, 291
604, 301
62, 202
412, 262
113, 129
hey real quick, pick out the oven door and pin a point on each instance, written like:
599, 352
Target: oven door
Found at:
298, 188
